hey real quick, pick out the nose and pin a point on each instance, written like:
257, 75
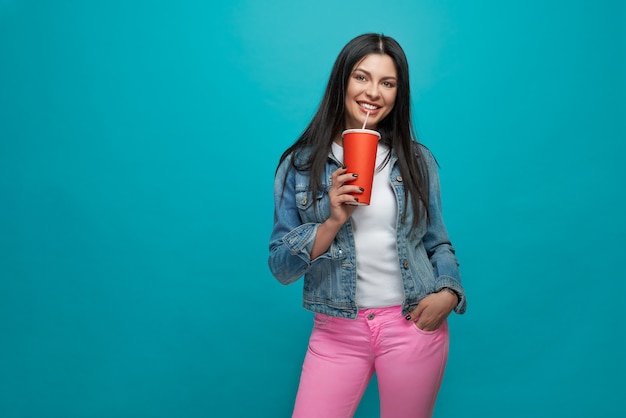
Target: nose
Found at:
372, 90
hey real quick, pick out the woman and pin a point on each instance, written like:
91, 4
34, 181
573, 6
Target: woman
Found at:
382, 278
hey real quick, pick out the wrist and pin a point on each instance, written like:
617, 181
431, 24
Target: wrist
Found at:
453, 293
331, 224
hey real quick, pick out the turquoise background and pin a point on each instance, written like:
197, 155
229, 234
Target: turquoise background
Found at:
138, 142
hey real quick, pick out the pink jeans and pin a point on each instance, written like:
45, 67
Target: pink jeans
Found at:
343, 355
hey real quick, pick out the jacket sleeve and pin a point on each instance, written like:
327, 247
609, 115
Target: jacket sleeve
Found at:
291, 241
437, 242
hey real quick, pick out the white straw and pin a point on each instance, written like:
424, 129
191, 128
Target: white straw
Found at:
366, 116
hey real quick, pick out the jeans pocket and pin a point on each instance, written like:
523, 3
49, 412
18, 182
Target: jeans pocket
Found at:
322, 321
424, 332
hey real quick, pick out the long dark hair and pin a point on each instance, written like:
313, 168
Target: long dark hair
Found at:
396, 129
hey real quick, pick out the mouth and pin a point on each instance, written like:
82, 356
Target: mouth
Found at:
368, 106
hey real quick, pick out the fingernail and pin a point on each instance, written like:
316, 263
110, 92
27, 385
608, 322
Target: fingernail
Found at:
361, 189
408, 317
355, 175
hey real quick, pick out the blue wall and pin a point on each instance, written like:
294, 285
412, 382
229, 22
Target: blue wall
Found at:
138, 141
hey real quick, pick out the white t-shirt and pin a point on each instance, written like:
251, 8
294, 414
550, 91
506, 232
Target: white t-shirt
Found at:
379, 281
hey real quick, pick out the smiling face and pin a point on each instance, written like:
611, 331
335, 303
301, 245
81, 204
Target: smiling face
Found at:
372, 87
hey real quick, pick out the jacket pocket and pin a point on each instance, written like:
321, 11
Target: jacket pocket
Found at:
311, 210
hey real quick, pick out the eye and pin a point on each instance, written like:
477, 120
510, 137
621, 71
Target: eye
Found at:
389, 84
359, 77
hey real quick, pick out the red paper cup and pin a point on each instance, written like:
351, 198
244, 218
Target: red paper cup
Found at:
359, 156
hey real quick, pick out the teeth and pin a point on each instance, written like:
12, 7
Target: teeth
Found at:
368, 106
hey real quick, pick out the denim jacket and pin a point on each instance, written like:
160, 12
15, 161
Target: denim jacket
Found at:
427, 258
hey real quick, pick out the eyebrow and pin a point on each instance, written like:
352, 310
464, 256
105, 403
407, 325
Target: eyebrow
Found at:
370, 74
